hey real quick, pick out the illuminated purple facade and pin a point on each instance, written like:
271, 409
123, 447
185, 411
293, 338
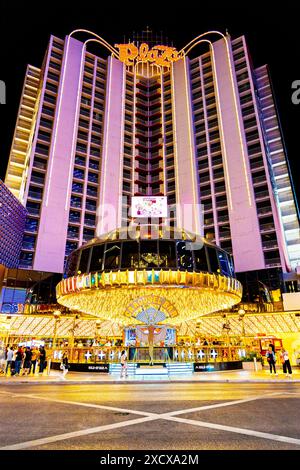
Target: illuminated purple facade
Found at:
12, 225
95, 130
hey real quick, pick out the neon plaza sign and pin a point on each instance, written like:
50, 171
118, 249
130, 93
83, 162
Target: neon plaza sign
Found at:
163, 56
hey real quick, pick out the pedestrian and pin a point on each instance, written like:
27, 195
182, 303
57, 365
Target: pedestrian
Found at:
34, 358
3, 357
42, 359
27, 361
286, 365
123, 364
9, 359
18, 360
64, 365
271, 358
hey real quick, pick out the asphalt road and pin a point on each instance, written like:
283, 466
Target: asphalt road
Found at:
206, 416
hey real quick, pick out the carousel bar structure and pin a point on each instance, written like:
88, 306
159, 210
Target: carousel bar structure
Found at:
183, 278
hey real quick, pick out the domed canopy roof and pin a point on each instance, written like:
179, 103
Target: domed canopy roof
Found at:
149, 274
148, 232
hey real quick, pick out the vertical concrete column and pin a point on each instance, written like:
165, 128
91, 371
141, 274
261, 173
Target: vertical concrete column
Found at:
187, 195
51, 241
109, 209
244, 225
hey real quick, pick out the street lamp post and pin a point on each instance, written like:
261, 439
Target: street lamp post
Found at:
241, 313
56, 314
97, 325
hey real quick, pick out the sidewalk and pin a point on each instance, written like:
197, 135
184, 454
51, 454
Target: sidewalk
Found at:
236, 376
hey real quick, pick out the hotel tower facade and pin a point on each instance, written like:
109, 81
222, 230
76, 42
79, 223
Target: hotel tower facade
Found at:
198, 126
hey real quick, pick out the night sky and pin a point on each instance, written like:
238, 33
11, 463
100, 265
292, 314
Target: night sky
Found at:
272, 33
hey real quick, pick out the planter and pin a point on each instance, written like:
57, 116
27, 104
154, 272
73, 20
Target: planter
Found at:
251, 366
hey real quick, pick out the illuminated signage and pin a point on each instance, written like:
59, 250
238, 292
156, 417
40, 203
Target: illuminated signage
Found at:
149, 206
158, 55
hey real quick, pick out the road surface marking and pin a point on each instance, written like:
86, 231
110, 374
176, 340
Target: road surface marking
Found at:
221, 405
77, 403
247, 432
171, 416
71, 435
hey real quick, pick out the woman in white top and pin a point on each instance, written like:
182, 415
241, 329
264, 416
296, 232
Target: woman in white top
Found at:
286, 365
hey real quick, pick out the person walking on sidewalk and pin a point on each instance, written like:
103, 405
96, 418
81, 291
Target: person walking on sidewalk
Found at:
42, 357
9, 358
286, 365
27, 361
34, 358
123, 364
271, 358
65, 365
18, 361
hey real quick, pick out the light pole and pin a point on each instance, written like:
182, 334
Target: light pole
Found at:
241, 313
56, 314
97, 325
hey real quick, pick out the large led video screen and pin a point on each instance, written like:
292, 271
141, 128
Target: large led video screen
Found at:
149, 206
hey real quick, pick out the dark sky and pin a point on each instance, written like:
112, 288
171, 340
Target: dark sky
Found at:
270, 29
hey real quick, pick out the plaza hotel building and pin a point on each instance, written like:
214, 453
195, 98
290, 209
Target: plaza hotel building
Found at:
96, 126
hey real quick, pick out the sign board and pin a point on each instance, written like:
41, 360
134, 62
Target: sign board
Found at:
291, 301
149, 206
130, 54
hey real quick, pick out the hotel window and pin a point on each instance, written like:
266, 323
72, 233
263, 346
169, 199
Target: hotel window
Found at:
51, 87
211, 111
33, 208
92, 177
26, 259
79, 160
72, 232
216, 147
239, 55
46, 123
31, 225
88, 234
42, 149
221, 201
74, 216
127, 187
79, 174
210, 101
76, 202
223, 216
35, 193
57, 44
81, 148
49, 98
218, 173
202, 151
241, 65
90, 205
90, 220
28, 242
206, 59
70, 246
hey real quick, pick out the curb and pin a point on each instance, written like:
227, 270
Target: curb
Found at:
143, 382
